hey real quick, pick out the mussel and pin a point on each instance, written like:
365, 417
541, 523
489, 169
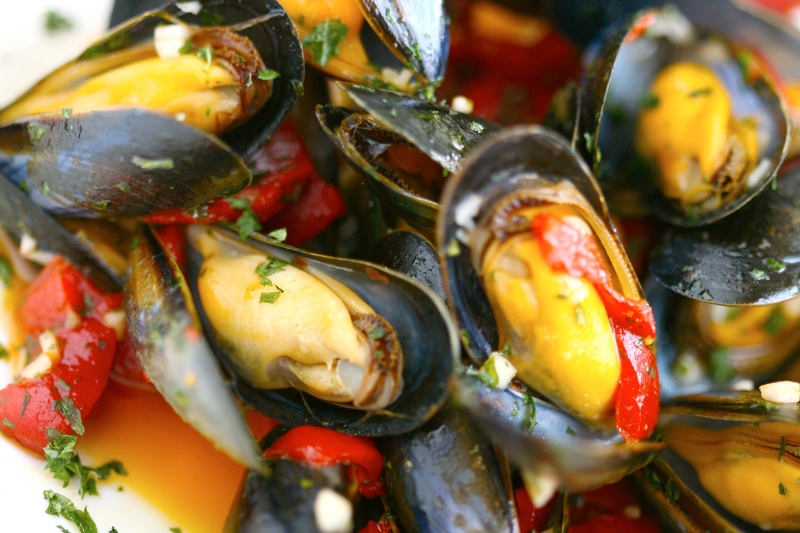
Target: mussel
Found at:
349, 335
404, 149
130, 127
672, 121
731, 465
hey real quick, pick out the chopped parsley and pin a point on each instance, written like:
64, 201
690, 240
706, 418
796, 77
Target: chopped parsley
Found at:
487, 373
306, 483
187, 48
3, 352
649, 101
248, 221
150, 164
66, 112
175, 529
389, 17
268, 74
64, 463
209, 18
279, 234
61, 505
719, 366
272, 266
700, 92
781, 489
507, 350
206, 54
270, 297
55, 21
299, 90
672, 494
758, 274
25, 402
465, 337
378, 332
46, 191
453, 249
9, 423
783, 449
571, 431
774, 265
70, 411
527, 401
36, 132
324, 40
6, 272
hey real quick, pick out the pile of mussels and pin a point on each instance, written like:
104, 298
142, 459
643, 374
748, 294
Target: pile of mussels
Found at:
499, 337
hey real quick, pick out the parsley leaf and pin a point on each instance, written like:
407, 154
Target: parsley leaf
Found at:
206, 54
150, 164
61, 505
268, 74
527, 400
6, 272
649, 101
269, 297
64, 463
247, 221
279, 234
55, 21
187, 47
269, 268
324, 40
377, 332
70, 411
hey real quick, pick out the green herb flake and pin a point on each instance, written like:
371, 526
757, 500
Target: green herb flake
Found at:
123, 187
269, 297
247, 224
187, 48
527, 401
507, 350
483, 376
378, 332
700, 92
758, 275
580, 316
323, 43
652, 478
66, 112
26, 400
6, 272
781, 489
306, 483
55, 21
268, 74
476, 127
3, 354
415, 51
46, 191
719, 366
465, 337
515, 412
151, 164
453, 249
670, 492
272, 266
36, 132
64, 463
299, 90
649, 101
775, 321
774, 265
61, 505
8, 423
209, 18
783, 449
766, 404
70, 412
571, 431
389, 17
206, 54
101, 206
278, 234
393, 112
135, 243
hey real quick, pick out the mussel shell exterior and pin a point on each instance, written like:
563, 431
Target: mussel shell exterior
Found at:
526, 156
603, 61
417, 31
123, 161
445, 477
20, 215
742, 406
167, 337
560, 446
426, 334
411, 254
726, 263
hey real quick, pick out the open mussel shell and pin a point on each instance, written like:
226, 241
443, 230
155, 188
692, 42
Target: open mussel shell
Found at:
123, 161
89, 157
673, 485
19, 216
525, 157
417, 31
429, 343
558, 448
168, 339
747, 259
690, 361
411, 254
616, 81
444, 135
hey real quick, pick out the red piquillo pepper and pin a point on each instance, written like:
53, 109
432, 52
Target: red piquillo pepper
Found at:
325, 447
64, 301
615, 508
567, 249
381, 526
532, 518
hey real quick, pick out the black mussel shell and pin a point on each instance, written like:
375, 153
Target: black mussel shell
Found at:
167, 337
125, 161
750, 258
19, 215
428, 339
446, 477
616, 80
411, 254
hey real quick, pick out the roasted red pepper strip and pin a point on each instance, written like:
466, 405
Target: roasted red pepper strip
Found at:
58, 291
174, 239
319, 204
325, 447
29, 407
282, 166
567, 249
532, 518
376, 527
615, 508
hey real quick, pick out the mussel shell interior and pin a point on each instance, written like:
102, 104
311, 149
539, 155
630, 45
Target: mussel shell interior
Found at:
526, 156
618, 78
428, 339
729, 262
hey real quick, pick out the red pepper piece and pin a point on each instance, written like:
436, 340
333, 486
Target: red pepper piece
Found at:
376, 527
174, 239
282, 166
81, 375
781, 6
566, 248
636, 407
61, 289
532, 518
325, 447
319, 204
127, 369
617, 523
